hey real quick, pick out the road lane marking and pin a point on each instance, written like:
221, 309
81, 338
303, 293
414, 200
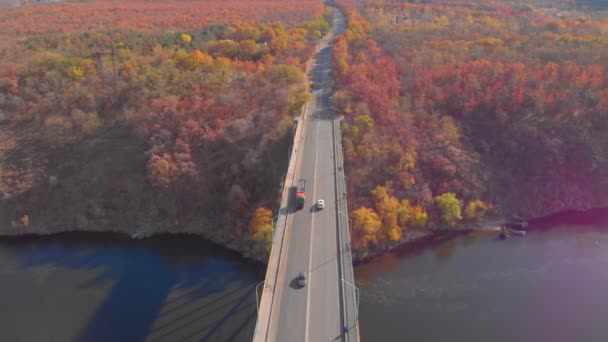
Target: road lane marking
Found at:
312, 221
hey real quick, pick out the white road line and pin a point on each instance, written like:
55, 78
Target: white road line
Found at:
312, 221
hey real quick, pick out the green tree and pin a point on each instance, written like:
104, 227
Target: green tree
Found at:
223, 48
247, 49
449, 207
289, 74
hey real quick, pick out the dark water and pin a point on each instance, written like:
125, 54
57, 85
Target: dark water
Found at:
99, 287
594, 4
551, 285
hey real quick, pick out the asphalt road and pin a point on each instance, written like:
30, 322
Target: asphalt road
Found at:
312, 313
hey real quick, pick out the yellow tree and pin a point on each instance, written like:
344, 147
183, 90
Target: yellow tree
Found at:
221, 68
261, 221
25, 220
75, 72
417, 217
181, 58
186, 38
412, 216
476, 210
161, 171
200, 59
404, 212
388, 209
368, 224
260, 227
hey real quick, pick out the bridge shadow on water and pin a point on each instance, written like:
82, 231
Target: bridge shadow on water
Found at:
169, 288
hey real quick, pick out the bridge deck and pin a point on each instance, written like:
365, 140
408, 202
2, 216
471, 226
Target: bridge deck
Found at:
308, 240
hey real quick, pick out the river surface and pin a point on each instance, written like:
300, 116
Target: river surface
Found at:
551, 285
104, 287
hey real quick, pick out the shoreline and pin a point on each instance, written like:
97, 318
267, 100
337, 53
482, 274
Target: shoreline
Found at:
239, 249
425, 238
414, 240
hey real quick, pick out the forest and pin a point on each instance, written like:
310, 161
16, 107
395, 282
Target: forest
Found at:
176, 116
151, 116
458, 111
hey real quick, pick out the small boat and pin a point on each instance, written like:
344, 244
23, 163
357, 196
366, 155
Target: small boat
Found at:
517, 224
518, 232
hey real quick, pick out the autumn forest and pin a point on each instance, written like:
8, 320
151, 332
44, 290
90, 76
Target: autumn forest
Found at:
461, 110
147, 116
177, 116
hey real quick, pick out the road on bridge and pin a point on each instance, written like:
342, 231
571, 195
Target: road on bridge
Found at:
312, 313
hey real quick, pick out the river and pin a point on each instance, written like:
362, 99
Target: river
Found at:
548, 286
105, 287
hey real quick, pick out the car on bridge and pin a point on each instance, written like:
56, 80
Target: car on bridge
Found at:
302, 279
320, 204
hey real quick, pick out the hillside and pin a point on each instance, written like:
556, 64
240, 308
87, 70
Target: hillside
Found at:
458, 111
151, 116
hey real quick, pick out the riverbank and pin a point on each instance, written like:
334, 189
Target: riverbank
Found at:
419, 239
422, 237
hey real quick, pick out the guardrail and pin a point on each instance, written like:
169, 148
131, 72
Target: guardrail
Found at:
350, 293
274, 261
343, 308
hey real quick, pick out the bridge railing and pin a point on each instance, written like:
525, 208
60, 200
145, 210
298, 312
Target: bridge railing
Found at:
350, 293
265, 306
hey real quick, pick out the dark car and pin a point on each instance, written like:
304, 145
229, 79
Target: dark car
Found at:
302, 279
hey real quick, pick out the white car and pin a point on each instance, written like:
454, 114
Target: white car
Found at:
320, 204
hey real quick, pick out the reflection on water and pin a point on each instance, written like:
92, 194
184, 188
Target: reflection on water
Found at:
594, 4
548, 286
99, 287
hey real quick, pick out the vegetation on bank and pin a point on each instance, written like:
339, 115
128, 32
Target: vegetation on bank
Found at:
459, 110
173, 123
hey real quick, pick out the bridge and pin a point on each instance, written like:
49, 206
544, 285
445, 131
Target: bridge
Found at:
310, 240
